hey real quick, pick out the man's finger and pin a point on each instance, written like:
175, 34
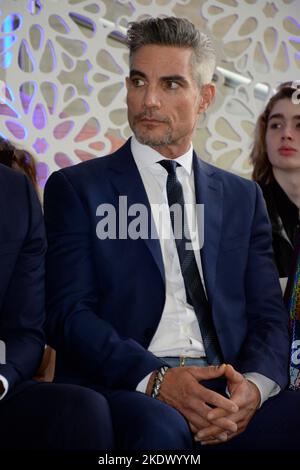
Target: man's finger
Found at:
232, 375
217, 400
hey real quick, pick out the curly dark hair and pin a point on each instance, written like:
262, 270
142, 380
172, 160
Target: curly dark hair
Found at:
18, 159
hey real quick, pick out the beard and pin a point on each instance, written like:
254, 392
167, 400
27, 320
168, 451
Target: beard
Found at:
146, 137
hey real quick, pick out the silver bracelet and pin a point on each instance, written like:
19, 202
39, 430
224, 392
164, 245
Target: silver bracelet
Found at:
159, 377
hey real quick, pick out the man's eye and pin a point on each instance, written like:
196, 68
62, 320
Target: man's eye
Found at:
137, 82
172, 85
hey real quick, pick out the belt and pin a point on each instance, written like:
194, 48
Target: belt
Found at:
181, 361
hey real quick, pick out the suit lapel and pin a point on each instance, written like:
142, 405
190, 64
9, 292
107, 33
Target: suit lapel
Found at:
127, 181
209, 191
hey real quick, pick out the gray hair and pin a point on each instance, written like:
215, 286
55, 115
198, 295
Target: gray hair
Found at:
176, 32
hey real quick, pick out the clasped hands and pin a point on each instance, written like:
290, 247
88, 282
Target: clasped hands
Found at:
212, 417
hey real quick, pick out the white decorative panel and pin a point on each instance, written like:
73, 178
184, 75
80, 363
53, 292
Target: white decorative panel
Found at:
64, 69
261, 42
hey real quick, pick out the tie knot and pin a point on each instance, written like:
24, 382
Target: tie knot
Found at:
169, 165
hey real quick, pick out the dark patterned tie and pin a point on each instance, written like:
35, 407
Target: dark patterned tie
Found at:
193, 285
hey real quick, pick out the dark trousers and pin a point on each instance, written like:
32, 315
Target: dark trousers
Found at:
143, 423
47, 416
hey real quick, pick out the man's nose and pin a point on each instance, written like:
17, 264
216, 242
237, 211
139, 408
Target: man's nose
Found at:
152, 97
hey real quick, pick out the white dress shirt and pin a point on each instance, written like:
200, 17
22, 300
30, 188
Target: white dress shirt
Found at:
178, 332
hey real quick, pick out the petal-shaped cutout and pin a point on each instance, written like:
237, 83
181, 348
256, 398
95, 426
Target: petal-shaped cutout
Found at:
85, 25
248, 27
271, 39
7, 110
90, 129
295, 42
225, 130
58, 24
291, 25
63, 129
261, 62
62, 160
25, 58
39, 117
77, 107
99, 77
34, 8
27, 93
74, 47
218, 145
16, 129
238, 108
92, 8
97, 146
48, 60
83, 155
118, 116
109, 93
36, 36
116, 142
6, 93
50, 94
282, 60
11, 23
40, 145
237, 48
69, 93
67, 60
223, 25
106, 60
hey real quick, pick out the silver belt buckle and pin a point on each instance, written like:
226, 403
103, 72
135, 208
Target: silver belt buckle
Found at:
182, 361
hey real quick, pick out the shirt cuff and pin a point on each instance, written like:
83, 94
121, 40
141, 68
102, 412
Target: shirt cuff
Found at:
142, 385
267, 387
5, 385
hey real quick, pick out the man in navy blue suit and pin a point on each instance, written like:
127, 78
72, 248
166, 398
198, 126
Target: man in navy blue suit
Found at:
165, 328
35, 415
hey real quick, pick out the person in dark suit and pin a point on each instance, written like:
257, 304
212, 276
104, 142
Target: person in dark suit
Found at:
33, 415
141, 310
21, 160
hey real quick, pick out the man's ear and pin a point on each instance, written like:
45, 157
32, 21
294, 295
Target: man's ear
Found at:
208, 92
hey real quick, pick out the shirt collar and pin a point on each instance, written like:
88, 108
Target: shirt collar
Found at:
146, 156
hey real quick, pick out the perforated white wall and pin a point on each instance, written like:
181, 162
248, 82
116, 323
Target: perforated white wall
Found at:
64, 68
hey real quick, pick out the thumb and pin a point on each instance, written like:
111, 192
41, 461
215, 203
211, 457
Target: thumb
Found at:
233, 375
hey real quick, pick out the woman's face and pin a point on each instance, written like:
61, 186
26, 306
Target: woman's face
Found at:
283, 135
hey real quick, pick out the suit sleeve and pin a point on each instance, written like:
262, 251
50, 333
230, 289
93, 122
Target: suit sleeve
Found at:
73, 325
266, 347
22, 311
